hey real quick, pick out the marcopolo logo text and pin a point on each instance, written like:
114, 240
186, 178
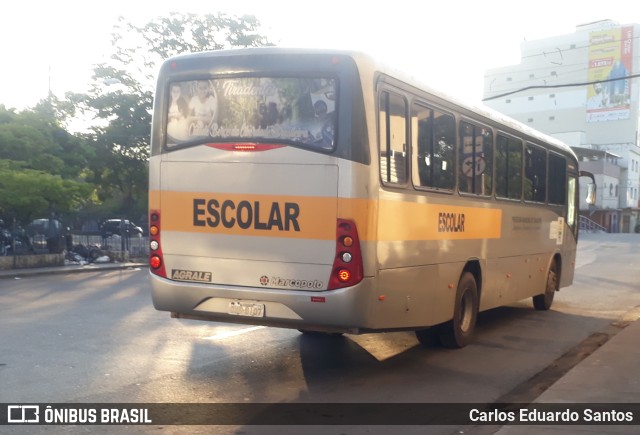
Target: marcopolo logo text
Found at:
276, 281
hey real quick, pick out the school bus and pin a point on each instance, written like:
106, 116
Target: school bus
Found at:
323, 191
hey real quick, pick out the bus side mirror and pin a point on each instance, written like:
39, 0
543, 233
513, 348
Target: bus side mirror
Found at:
591, 193
591, 187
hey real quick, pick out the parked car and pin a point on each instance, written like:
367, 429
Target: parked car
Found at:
121, 227
51, 230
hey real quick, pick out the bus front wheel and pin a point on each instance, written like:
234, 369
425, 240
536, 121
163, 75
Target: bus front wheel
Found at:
543, 302
457, 333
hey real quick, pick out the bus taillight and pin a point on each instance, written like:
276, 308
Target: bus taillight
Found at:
246, 147
156, 262
347, 263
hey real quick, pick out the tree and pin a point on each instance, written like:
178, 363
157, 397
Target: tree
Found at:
121, 95
164, 37
42, 166
27, 194
36, 138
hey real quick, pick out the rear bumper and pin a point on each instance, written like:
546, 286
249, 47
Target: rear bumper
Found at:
343, 310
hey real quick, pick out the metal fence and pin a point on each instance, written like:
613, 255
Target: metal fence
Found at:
135, 246
87, 245
587, 224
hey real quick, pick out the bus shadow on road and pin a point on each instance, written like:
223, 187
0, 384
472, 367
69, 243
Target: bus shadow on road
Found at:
386, 345
516, 326
379, 346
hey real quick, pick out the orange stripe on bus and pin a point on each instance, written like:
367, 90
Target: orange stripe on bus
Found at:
308, 217
249, 215
427, 221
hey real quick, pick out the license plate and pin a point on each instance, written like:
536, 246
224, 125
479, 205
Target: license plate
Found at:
248, 309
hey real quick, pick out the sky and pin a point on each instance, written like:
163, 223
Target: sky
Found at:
446, 44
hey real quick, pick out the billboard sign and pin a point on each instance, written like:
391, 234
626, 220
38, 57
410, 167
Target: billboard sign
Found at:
610, 64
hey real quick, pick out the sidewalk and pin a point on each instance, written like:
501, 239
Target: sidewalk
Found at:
71, 268
609, 375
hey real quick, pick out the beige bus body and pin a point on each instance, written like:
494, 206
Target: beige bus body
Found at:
250, 237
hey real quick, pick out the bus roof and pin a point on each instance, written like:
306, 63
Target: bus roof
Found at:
366, 60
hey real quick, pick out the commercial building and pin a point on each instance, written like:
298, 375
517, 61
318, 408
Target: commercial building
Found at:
584, 89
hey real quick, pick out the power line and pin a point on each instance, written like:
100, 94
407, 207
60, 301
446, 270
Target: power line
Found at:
566, 85
572, 47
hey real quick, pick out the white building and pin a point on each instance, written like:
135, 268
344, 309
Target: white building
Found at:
584, 89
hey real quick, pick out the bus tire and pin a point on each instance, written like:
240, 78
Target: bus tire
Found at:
543, 301
458, 332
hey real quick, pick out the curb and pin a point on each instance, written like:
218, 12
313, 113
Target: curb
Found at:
60, 270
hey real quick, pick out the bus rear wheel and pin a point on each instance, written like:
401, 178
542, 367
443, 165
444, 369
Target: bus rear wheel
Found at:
457, 333
543, 302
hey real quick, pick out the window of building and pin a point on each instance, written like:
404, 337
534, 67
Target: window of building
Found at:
557, 179
552, 118
393, 138
530, 98
529, 119
434, 137
535, 173
476, 159
509, 79
508, 167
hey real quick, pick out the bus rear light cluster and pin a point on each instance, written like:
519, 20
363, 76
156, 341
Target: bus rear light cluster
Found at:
156, 262
347, 263
246, 147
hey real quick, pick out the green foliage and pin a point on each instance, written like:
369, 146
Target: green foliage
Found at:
41, 164
27, 194
44, 168
147, 46
36, 138
121, 95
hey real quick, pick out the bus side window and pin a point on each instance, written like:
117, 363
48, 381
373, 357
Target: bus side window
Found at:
393, 138
475, 159
433, 139
557, 179
508, 167
535, 171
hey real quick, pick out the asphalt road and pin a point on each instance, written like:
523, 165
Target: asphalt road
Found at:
95, 338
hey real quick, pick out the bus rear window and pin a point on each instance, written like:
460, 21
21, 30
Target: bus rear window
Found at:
253, 109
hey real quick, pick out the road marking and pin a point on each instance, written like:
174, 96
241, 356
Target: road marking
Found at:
228, 334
